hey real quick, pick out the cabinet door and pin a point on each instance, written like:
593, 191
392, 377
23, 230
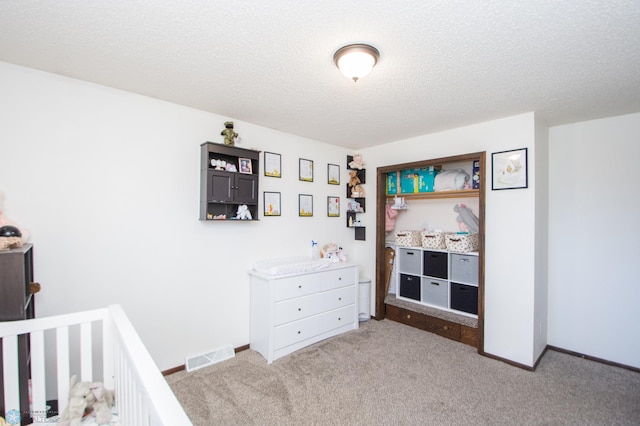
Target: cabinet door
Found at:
245, 188
220, 187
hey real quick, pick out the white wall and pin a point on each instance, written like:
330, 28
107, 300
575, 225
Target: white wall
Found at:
510, 227
108, 184
594, 238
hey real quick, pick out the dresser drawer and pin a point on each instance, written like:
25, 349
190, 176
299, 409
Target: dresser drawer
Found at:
338, 278
336, 318
300, 307
287, 288
338, 298
409, 261
435, 292
295, 332
464, 268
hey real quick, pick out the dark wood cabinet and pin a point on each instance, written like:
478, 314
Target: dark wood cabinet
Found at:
228, 179
17, 302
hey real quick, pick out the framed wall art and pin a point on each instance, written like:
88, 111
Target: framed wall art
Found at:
509, 169
272, 203
305, 205
333, 206
272, 164
333, 174
306, 170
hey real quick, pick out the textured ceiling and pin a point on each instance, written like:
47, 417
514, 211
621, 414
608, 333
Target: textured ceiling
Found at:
443, 64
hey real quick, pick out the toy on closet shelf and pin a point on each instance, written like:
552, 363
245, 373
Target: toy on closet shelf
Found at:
86, 398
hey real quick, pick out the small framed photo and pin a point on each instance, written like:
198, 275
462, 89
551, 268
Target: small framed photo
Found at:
306, 170
333, 174
271, 203
509, 169
333, 206
245, 165
305, 205
272, 164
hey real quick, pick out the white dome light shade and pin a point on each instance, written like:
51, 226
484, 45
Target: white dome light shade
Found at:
356, 60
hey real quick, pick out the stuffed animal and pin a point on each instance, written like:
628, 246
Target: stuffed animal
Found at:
353, 178
11, 235
86, 398
357, 162
467, 221
243, 212
357, 191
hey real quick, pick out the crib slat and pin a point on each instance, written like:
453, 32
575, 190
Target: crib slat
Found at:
62, 353
86, 360
38, 380
10, 369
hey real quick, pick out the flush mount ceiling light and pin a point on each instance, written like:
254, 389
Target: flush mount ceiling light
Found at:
356, 60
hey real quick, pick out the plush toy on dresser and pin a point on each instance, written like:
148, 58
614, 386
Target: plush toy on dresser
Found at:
87, 398
11, 235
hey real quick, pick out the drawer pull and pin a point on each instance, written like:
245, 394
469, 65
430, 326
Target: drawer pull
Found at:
410, 253
408, 316
339, 278
299, 286
299, 309
464, 260
339, 319
299, 332
339, 298
434, 283
446, 328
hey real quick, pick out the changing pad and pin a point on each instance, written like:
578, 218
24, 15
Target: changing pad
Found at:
290, 265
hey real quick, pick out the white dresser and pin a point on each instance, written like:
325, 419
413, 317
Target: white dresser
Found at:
289, 312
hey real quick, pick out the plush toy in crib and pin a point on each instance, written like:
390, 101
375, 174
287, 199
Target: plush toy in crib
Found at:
86, 398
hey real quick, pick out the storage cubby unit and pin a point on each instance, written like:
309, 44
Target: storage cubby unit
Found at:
222, 190
352, 218
438, 278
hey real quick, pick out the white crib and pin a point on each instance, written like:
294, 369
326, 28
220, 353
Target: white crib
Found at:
143, 397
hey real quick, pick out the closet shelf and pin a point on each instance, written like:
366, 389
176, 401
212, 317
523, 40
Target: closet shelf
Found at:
463, 193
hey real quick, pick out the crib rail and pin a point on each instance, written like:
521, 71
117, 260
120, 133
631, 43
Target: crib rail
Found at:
142, 395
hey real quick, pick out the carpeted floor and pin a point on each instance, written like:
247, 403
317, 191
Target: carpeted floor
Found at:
387, 373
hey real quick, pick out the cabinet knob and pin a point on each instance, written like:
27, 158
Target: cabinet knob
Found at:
339, 319
299, 286
339, 298
408, 316
446, 327
299, 332
299, 309
34, 288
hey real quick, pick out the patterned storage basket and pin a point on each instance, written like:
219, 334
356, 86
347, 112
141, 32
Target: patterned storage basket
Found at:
408, 239
462, 243
434, 240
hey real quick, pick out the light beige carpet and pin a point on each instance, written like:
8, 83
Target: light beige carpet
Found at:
391, 374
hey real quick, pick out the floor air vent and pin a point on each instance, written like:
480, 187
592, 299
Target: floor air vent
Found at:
204, 360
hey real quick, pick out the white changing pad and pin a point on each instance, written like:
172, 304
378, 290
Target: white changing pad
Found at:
290, 265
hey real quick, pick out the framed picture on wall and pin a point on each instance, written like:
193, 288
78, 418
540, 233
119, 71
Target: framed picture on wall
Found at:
272, 203
509, 169
333, 174
306, 170
272, 164
333, 206
305, 205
